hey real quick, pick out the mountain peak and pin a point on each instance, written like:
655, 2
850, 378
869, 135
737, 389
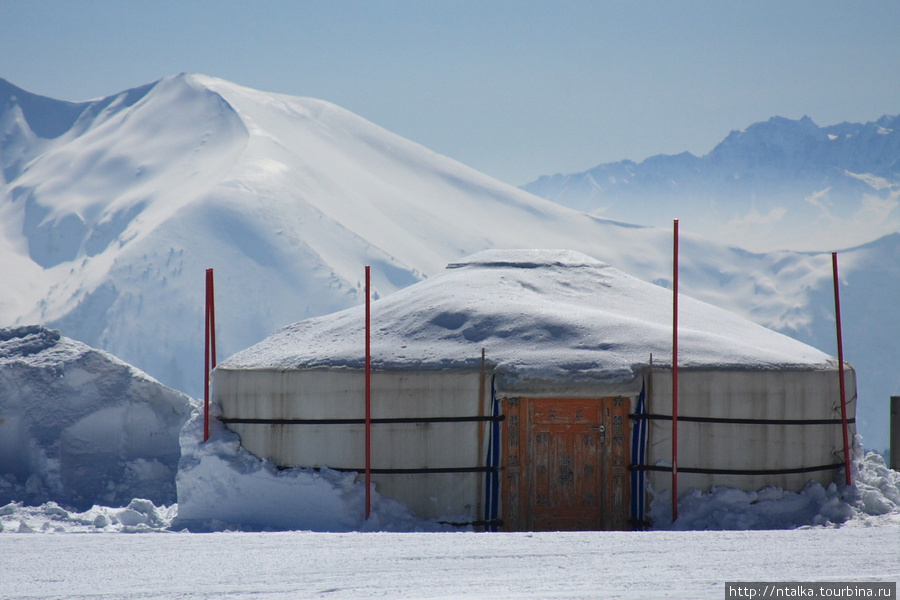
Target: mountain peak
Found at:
287, 196
47, 118
113, 163
772, 138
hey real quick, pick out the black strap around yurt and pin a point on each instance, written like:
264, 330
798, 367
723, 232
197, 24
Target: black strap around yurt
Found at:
421, 471
390, 420
652, 417
642, 417
488, 524
829, 467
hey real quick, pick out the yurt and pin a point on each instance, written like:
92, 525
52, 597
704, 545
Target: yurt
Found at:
532, 390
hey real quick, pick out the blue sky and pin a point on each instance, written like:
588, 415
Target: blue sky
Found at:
514, 89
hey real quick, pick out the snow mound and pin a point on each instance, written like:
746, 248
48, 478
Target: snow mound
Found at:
539, 314
138, 517
872, 499
221, 486
80, 427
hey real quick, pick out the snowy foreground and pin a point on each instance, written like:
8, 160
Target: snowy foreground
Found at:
659, 564
142, 552
98, 559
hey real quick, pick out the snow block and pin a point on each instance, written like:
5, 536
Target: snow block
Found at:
80, 427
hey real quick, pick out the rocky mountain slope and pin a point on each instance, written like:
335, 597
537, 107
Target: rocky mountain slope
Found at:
777, 184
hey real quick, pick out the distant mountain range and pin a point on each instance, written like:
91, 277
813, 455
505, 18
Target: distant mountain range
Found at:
112, 209
780, 184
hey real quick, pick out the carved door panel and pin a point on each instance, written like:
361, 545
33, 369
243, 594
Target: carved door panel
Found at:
565, 464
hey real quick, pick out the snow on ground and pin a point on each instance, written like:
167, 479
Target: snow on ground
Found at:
170, 562
238, 566
139, 516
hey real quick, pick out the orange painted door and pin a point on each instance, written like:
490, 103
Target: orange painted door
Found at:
564, 447
566, 464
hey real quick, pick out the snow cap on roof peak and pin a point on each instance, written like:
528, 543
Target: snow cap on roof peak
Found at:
528, 259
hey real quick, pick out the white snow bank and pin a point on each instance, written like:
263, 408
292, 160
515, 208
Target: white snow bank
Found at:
80, 427
874, 498
222, 486
139, 516
539, 314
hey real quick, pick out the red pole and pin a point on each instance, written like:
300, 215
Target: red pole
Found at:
212, 319
675, 380
840, 345
368, 395
208, 346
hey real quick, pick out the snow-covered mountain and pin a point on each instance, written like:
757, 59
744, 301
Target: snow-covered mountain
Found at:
112, 209
777, 184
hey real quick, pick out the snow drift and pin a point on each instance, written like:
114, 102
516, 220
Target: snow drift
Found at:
873, 498
80, 427
222, 486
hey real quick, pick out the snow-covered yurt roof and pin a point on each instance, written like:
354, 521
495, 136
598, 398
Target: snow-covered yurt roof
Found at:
538, 314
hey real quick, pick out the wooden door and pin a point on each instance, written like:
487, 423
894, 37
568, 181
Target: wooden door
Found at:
565, 464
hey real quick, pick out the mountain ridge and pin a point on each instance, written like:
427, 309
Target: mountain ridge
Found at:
778, 184
109, 227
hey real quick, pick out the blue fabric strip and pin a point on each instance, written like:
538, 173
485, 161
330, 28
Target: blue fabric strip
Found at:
492, 478
638, 451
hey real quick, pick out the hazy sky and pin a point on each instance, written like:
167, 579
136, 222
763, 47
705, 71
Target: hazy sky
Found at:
514, 89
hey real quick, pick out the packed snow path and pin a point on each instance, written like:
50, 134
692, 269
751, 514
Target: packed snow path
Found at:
437, 565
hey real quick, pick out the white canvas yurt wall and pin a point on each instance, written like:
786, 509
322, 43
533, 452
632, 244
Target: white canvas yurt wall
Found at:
313, 418
561, 344
783, 424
